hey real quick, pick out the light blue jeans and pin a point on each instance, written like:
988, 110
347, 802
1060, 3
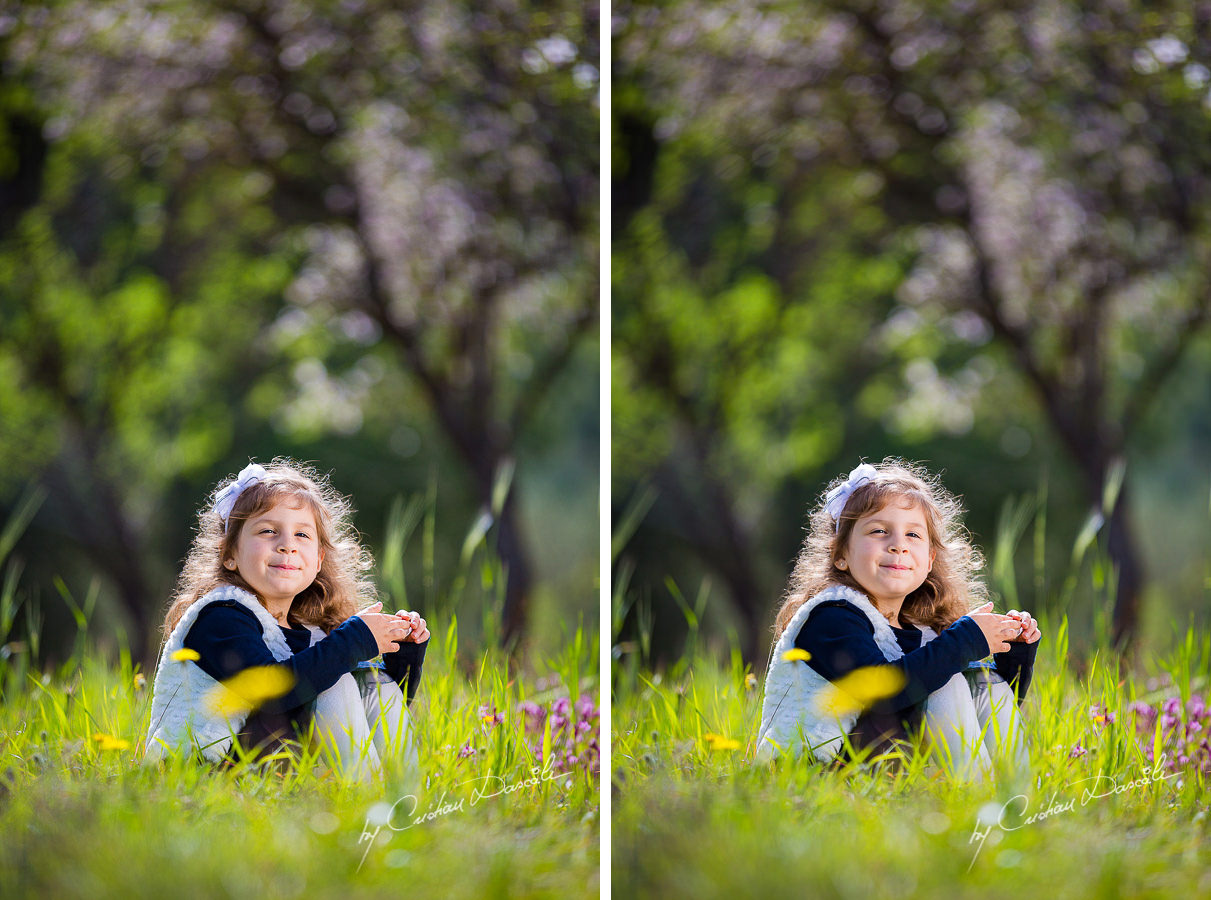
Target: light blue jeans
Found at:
973, 720
361, 721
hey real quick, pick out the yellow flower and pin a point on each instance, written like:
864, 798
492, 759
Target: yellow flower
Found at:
792, 655
247, 690
750, 681
140, 681
719, 742
860, 689
186, 655
109, 742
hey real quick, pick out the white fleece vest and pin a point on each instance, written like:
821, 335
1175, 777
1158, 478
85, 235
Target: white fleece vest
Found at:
792, 688
181, 718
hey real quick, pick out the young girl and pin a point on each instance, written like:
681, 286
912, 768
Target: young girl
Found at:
275, 578
887, 576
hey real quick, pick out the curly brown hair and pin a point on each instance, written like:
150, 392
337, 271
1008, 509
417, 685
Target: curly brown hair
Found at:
951, 589
342, 585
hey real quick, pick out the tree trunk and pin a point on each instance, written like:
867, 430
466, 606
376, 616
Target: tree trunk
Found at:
121, 551
1125, 556
110, 542
484, 462
519, 575
1120, 546
743, 586
135, 596
724, 546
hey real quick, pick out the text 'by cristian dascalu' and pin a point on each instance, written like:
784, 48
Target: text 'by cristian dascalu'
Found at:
1102, 786
404, 813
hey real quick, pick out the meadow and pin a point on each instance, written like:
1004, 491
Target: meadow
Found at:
506, 803
1114, 804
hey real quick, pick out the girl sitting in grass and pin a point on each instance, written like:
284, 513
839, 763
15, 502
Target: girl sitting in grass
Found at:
887, 578
270, 593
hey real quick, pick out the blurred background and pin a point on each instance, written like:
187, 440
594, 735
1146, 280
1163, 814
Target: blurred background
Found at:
964, 233
351, 232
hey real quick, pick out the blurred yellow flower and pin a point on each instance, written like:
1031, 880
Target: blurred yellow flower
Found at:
719, 742
186, 655
109, 742
860, 689
796, 653
140, 681
750, 681
247, 690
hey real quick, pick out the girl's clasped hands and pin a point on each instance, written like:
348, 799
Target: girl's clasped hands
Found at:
1030, 626
1016, 626
392, 630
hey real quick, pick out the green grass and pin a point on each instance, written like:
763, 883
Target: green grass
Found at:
77, 820
699, 821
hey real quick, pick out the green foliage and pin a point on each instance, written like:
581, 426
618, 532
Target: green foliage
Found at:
236, 227
937, 221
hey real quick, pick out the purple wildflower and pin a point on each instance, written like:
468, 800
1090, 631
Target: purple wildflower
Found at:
573, 732
1143, 710
490, 715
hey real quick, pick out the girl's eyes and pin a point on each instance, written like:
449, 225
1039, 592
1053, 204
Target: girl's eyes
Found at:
884, 531
296, 534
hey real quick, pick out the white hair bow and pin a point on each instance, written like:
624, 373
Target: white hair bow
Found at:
835, 500
224, 503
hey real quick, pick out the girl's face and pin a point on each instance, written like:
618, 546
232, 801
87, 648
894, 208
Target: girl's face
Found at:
278, 552
889, 554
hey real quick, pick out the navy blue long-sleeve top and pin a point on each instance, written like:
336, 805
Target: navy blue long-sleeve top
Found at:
840, 638
228, 639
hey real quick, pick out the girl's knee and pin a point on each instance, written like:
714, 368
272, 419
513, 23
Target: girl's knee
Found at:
954, 690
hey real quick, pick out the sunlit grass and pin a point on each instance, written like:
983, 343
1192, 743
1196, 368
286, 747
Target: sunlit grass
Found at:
80, 813
691, 820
